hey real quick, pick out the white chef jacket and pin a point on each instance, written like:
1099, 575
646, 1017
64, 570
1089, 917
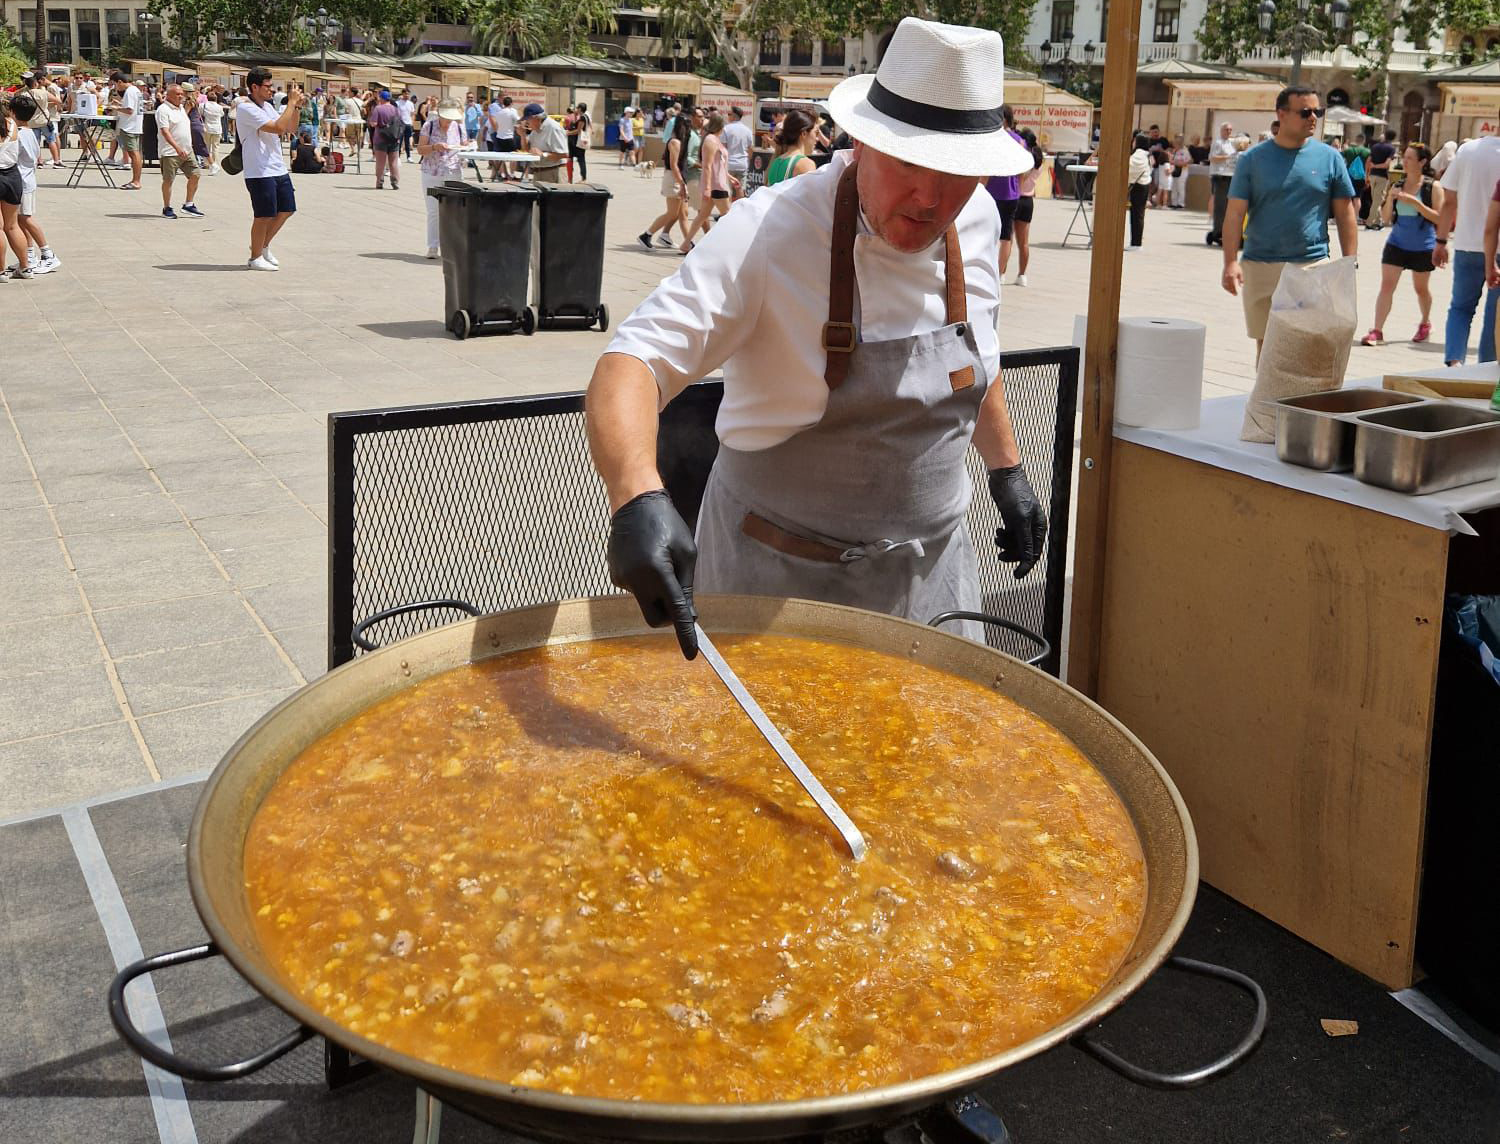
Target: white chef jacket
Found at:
753, 298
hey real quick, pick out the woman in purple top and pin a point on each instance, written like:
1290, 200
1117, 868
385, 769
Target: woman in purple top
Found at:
1004, 189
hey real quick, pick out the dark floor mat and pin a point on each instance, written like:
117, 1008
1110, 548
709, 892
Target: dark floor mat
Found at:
65, 1078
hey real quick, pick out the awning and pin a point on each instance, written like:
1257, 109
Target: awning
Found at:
1221, 95
1349, 115
808, 86
1466, 99
722, 96
669, 83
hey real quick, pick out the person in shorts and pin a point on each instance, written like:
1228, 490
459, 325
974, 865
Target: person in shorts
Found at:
26, 108
260, 128
130, 121
174, 147
1411, 210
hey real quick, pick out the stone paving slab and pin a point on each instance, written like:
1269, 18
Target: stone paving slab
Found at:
163, 452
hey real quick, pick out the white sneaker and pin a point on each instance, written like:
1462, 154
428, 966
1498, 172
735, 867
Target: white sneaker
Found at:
41, 267
271, 258
51, 264
261, 264
1020, 279
432, 252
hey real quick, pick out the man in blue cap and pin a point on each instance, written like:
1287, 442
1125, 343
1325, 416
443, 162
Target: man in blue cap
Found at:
545, 139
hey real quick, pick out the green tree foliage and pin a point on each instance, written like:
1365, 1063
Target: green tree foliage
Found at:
12, 59
727, 25
1230, 28
532, 28
280, 25
133, 47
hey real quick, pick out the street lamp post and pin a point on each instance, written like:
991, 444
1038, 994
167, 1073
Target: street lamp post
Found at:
323, 40
1066, 62
1301, 33
146, 19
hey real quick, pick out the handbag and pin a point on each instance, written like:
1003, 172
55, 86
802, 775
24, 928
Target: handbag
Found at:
234, 162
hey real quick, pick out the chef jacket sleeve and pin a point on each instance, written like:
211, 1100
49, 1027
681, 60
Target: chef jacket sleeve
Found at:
699, 317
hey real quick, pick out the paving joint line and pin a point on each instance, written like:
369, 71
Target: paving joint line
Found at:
290, 664
88, 610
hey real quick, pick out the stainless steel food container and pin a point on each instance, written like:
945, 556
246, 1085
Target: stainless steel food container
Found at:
1426, 447
1317, 430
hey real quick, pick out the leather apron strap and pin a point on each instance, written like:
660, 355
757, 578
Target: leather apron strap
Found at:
839, 334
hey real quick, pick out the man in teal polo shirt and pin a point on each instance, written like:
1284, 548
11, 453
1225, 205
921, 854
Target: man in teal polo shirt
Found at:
1289, 185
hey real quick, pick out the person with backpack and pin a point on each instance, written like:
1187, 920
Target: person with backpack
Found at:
386, 133
1357, 158
1411, 210
580, 139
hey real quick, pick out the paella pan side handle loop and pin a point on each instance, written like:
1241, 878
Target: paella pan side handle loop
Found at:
984, 618
1191, 1078
364, 625
149, 1050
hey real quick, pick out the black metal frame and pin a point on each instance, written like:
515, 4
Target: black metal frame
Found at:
688, 420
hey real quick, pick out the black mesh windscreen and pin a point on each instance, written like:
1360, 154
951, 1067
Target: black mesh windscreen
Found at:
496, 503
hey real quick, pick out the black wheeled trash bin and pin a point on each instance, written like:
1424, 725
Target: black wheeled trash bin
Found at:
485, 234
570, 271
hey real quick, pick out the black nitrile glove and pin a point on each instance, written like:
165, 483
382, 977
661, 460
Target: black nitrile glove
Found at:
1022, 534
651, 556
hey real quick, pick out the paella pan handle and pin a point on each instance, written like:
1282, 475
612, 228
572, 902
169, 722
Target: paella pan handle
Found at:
984, 618
1192, 1078
149, 1050
364, 625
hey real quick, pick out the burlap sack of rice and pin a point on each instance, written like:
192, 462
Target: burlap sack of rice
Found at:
1305, 351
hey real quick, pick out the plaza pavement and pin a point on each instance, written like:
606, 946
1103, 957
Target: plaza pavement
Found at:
162, 450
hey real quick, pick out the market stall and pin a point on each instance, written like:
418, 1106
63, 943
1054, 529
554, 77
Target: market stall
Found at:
807, 86
1467, 110
723, 97
1298, 717
1198, 107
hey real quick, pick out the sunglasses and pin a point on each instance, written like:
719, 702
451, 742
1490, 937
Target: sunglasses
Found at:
1311, 112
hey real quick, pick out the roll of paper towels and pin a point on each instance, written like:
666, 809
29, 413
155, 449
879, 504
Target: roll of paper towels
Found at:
1159, 373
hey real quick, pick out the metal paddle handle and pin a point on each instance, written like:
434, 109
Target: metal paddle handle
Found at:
841, 821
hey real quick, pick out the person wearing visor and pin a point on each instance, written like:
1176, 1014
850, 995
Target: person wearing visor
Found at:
853, 312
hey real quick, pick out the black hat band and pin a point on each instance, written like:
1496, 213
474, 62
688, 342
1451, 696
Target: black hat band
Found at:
929, 118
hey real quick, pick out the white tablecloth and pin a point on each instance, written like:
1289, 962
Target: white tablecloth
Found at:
1217, 442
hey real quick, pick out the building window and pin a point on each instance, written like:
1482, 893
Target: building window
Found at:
116, 26
1167, 12
833, 53
770, 50
89, 46
60, 35
1062, 21
802, 52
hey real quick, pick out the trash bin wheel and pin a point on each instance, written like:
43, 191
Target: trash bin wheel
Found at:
461, 325
528, 321
602, 316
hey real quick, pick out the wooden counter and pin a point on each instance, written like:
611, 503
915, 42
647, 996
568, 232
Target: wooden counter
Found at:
1277, 650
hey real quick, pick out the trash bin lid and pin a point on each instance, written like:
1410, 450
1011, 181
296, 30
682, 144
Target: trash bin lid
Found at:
457, 187
596, 189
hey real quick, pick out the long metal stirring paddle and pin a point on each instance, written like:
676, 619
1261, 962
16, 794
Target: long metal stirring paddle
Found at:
841, 821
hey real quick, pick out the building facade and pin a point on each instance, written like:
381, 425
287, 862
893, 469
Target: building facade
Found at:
77, 32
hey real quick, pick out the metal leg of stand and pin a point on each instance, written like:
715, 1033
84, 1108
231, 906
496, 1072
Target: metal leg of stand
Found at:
429, 1119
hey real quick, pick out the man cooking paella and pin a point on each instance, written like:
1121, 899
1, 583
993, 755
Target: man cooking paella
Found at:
853, 312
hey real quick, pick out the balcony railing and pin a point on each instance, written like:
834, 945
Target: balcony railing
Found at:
1148, 52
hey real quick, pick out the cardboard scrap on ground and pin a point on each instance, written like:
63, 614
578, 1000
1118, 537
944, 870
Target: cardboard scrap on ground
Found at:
1335, 1028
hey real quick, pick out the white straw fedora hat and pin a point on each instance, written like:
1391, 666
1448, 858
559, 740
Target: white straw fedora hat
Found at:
935, 101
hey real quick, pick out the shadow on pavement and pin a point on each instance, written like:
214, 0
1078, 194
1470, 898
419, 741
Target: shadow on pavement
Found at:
391, 256
201, 266
432, 331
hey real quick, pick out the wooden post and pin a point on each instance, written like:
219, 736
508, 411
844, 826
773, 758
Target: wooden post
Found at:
1116, 130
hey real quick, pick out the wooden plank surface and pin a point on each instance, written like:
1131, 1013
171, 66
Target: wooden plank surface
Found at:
1277, 651
1116, 132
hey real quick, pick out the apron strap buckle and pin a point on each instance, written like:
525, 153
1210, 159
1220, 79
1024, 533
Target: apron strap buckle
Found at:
846, 337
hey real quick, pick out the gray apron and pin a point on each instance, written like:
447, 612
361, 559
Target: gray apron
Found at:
867, 507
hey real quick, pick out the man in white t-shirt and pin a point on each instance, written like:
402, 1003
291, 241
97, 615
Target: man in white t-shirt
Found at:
503, 120
174, 149
738, 140
627, 137
1223, 154
406, 107
1470, 183
129, 123
260, 130
213, 130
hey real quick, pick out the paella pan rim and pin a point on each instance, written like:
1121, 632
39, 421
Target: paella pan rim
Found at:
234, 790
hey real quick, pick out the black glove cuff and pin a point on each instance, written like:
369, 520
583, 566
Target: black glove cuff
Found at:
635, 500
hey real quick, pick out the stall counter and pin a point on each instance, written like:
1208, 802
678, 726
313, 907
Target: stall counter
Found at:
1272, 634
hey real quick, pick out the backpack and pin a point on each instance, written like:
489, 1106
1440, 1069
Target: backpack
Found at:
335, 163
388, 134
1357, 168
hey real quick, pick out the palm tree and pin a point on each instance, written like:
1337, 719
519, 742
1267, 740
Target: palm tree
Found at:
534, 28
